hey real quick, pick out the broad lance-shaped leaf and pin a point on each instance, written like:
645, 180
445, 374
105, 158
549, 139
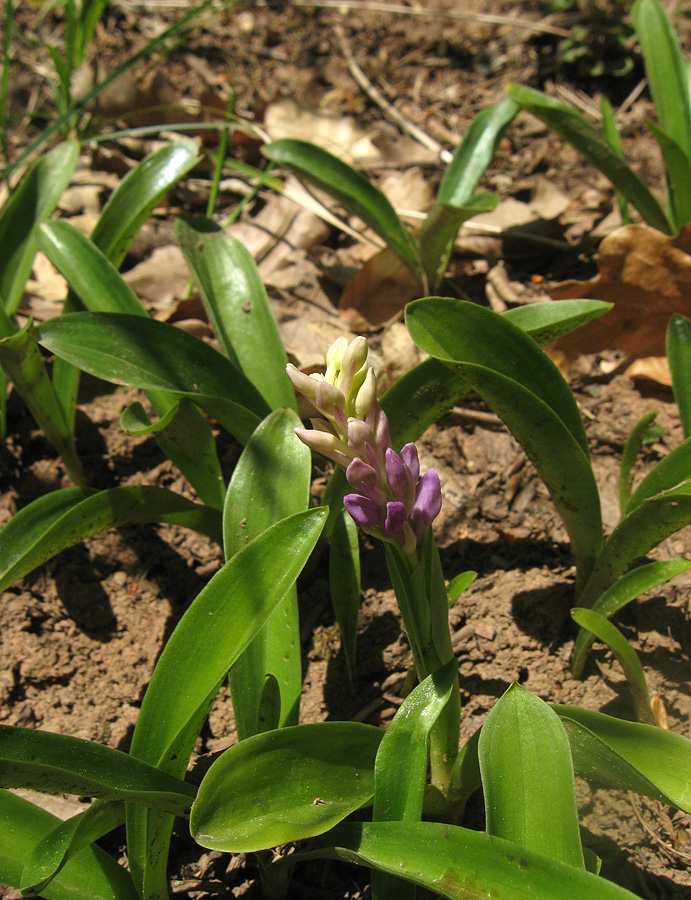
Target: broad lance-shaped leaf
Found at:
351, 189
507, 368
63, 518
527, 777
216, 629
627, 588
344, 581
430, 389
90, 875
101, 289
668, 473
405, 748
45, 761
327, 772
237, 306
152, 355
678, 345
678, 171
34, 200
271, 481
51, 854
608, 633
575, 128
461, 864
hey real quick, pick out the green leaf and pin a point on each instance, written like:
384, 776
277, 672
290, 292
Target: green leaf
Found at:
61, 519
237, 307
611, 134
666, 71
660, 757
646, 526
22, 361
678, 172
474, 154
152, 355
349, 188
457, 585
344, 580
461, 864
137, 195
271, 481
90, 875
623, 591
208, 640
101, 289
609, 634
180, 438
45, 761
405, 748
629, 456
679, 359
35, 199
326, 772
439, 232
426, 392
65, 840
523, 386
527, 777
670, 472
575, 128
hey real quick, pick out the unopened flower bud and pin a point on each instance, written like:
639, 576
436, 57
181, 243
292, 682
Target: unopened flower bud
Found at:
303, 384
366, 395
364, 511
327, 398
334, 356
325, 443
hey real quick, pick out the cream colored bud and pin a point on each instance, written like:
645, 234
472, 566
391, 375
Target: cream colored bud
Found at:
303, 384
355, 357
334, 358
366, 395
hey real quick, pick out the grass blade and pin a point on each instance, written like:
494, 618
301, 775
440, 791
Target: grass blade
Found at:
679, 359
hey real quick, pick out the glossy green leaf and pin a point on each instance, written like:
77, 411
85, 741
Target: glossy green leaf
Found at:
457, 585
326, 772
271, 481
405, 748
521, 384
152, 355
623, 591
439, 232
527, 777
344, 581
219, 625
45, 761
50, 524
35, 199
608, 633
666, 71
213, 633
22, 361
426, 392
101, 289
180, 438
661, 757
237, 307
139, 192
678, 342
462, 864
575, 128
69, 837
611, 134
475, 152
91, 875
349, 188
646, 526
629, 456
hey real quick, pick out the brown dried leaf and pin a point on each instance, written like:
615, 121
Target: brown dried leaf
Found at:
378, 293
647, 276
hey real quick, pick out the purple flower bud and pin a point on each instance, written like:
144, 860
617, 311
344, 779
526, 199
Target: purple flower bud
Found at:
396, 516
427, 504
326, 443
327, 398
359, 435
410, 458
365, 512
399, 478
362, 478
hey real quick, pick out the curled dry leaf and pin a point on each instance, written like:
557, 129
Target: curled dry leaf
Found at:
377, 295
647, 276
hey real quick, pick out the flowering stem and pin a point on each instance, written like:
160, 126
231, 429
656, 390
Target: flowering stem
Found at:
421, 593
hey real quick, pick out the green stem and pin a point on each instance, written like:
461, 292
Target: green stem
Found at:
421, 593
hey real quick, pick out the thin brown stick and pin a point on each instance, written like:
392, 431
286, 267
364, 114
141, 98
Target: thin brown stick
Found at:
368, 6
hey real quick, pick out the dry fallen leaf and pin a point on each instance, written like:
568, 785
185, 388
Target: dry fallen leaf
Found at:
647, 276
378, 293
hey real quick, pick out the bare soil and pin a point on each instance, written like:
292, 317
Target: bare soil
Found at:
81, 635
